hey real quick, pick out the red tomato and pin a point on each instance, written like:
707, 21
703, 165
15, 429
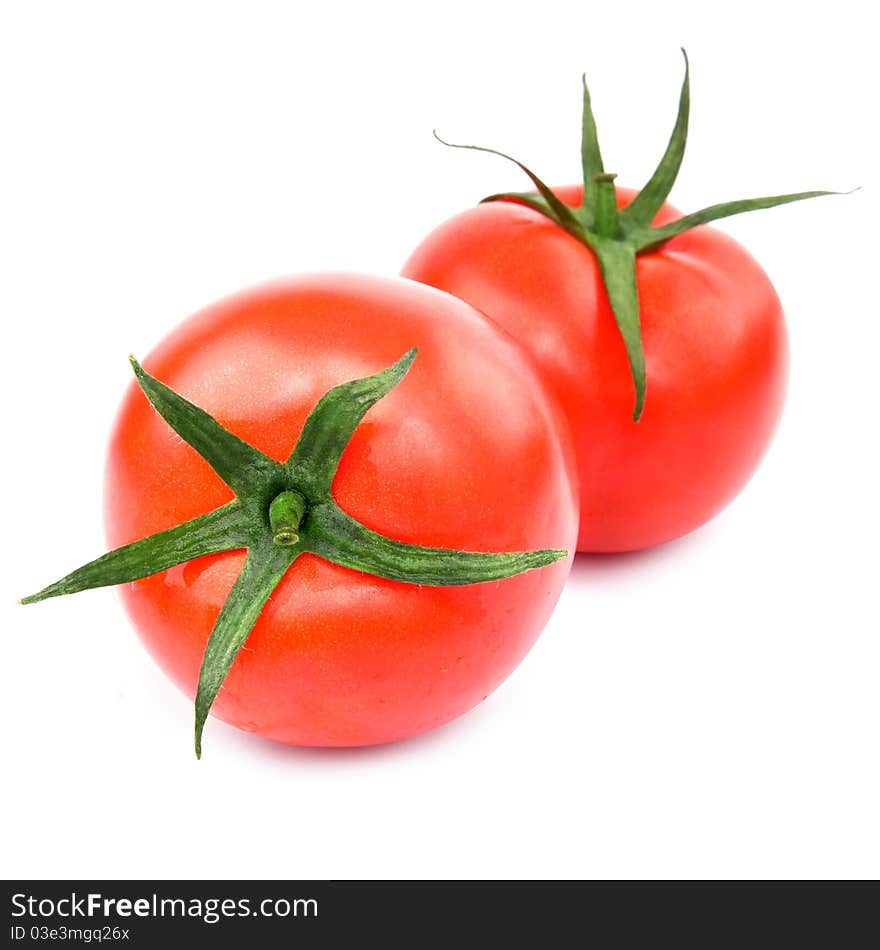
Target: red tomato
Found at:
715, 348
467, 452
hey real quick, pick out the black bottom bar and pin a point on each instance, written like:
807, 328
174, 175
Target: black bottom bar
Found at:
411, 914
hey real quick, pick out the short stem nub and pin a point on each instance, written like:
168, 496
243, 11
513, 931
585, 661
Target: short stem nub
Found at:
607, 219
285, 514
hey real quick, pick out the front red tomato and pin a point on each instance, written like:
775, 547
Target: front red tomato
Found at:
468, 453
715, 351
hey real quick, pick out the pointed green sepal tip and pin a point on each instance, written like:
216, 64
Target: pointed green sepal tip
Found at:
586, 93
402, 366
550, 556
389, 378
53, 590
140, 373
640, 404
142, 376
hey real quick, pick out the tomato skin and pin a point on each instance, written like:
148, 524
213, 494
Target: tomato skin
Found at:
467, 452
716, 353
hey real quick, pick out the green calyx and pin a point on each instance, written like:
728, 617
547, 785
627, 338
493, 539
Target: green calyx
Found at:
617, 237
281, 510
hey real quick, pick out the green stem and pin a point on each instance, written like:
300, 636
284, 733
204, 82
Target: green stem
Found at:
607, 221
285, 514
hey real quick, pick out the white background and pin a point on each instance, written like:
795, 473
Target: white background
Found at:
705, 709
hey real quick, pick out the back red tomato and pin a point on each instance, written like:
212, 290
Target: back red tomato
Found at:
661, 338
